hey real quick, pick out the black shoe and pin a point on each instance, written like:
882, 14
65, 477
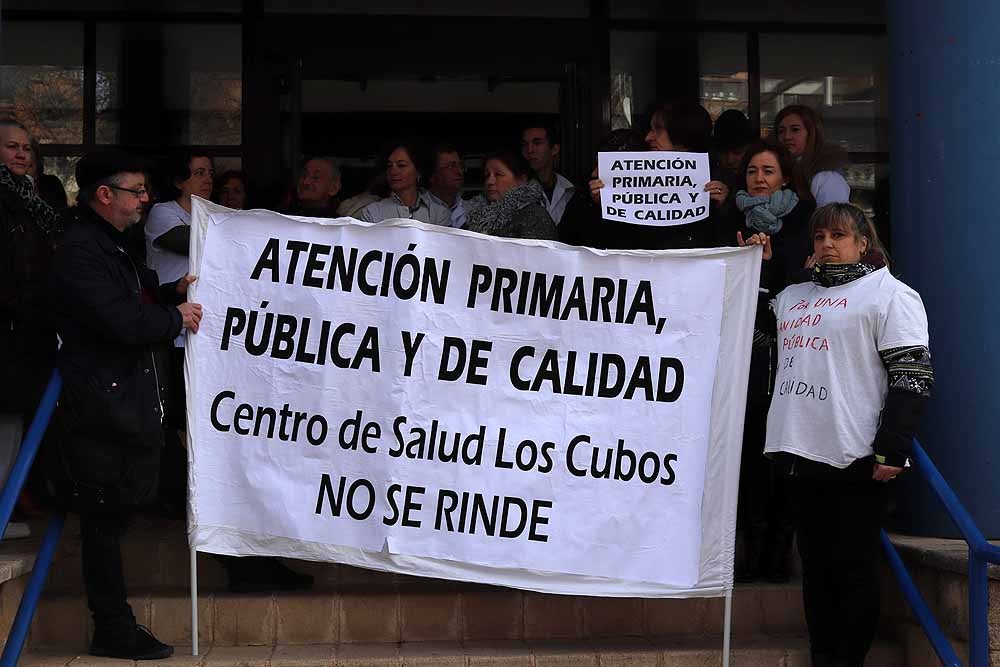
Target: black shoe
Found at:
131, 643
262, 575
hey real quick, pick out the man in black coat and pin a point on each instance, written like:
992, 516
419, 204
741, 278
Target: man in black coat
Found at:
115, 321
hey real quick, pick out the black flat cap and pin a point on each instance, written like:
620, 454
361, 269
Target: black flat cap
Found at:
104, 163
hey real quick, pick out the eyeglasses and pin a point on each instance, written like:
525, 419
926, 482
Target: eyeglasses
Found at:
138, 192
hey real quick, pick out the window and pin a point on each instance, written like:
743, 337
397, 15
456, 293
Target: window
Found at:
869, 183
552, 8
122, 5
740, 11
646, 65
844, 77
633, 76
722, 72
43, 86
169, 84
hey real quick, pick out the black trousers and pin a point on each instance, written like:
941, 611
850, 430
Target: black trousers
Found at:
103, 574
763, 507
838, 516
177, 409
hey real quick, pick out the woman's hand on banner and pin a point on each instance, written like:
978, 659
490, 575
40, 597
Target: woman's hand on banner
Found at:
757, 239
191, 315
717, 190
184, 283
595, 189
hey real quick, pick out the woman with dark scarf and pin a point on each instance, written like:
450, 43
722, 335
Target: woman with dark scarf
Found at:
854, 377
768, 206
29, 228
515, 206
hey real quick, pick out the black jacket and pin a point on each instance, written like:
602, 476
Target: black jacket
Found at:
115, 328
790, 247
588, 228
27, 337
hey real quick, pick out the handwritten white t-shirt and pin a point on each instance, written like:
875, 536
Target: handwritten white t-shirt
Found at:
831, 383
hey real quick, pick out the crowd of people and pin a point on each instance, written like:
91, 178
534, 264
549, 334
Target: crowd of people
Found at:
815, 470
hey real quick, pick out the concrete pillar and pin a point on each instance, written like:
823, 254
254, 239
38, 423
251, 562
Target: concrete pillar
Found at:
945, 171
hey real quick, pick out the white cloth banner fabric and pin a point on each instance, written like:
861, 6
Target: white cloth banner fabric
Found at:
658, 188
434, 402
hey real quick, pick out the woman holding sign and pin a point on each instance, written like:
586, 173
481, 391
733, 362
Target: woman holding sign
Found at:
684, 126
853, 380
515, 207
770, 206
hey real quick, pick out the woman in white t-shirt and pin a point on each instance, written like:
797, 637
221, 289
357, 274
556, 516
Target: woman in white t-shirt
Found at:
854, 375
168, 227
168, 234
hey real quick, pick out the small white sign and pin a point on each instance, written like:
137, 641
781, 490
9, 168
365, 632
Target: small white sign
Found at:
658, 188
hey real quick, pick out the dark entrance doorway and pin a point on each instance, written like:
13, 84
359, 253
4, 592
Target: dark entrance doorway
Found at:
470, 81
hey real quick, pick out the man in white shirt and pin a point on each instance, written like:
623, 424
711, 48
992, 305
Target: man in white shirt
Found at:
540, 146
445, 183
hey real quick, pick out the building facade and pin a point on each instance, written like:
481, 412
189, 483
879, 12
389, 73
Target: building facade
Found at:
259, 83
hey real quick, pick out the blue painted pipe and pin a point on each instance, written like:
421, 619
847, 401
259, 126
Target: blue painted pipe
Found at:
981, 552
29, 448
33, 591
920, 609
956, 510
979, 602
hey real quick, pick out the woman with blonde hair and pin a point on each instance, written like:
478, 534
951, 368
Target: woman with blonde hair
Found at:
800, 129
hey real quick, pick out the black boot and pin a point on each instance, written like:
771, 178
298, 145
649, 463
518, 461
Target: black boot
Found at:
133, 642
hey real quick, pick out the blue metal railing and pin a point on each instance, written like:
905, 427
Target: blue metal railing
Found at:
981, 554
8, 498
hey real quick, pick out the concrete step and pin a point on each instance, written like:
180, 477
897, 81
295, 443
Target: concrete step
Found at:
155, 554
350, 605
17, 558
939, 567
411, 609
634, 652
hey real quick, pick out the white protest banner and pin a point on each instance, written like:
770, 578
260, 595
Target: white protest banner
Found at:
435, 402
661, 188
